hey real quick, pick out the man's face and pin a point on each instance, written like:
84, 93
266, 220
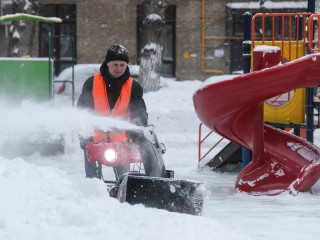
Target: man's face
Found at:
117, 68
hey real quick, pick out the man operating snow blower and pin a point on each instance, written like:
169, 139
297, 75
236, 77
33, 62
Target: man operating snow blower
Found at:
113, 93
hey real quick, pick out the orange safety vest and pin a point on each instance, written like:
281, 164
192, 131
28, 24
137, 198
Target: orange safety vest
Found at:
102, 107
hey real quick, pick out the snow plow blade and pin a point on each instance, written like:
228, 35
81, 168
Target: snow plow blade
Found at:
163, 193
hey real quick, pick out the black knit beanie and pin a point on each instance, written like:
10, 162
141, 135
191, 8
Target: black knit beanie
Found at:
117, 53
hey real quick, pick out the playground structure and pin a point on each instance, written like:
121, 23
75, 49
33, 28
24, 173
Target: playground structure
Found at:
280, 161
287, 110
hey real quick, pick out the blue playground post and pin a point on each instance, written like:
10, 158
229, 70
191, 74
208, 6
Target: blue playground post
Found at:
247, 17
309, 92
311, 6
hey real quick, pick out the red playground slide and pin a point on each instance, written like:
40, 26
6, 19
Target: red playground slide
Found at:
234, 109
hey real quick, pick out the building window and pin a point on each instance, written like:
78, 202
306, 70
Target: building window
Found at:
64, 35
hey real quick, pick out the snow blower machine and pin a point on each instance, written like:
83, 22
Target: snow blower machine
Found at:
151, 185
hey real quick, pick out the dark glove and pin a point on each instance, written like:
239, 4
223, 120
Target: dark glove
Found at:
83, 142
135, 136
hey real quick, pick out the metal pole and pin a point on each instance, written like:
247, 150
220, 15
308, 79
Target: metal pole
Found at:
299, 28
309, 92
311, 6
50, 63
247, 18
73, 61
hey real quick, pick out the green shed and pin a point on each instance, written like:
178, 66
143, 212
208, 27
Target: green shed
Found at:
27, 78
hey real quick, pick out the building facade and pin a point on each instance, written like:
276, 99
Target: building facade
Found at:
202, 37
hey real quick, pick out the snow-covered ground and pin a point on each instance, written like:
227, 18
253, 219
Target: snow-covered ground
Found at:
47, 197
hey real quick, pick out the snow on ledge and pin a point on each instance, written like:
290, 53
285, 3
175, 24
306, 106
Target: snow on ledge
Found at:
268, 5
24, 16
266, 48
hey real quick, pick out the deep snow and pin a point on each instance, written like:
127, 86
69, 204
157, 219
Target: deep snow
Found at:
47, 197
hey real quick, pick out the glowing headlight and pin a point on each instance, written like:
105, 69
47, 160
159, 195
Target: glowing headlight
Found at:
110, 155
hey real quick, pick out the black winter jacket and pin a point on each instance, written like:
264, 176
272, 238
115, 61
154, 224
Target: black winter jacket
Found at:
137, 107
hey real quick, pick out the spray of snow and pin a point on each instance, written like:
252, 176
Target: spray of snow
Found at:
30, 118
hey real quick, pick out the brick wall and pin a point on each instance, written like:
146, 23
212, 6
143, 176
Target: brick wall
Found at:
101, 23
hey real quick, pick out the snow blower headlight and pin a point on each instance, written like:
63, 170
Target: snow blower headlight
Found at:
110, 155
